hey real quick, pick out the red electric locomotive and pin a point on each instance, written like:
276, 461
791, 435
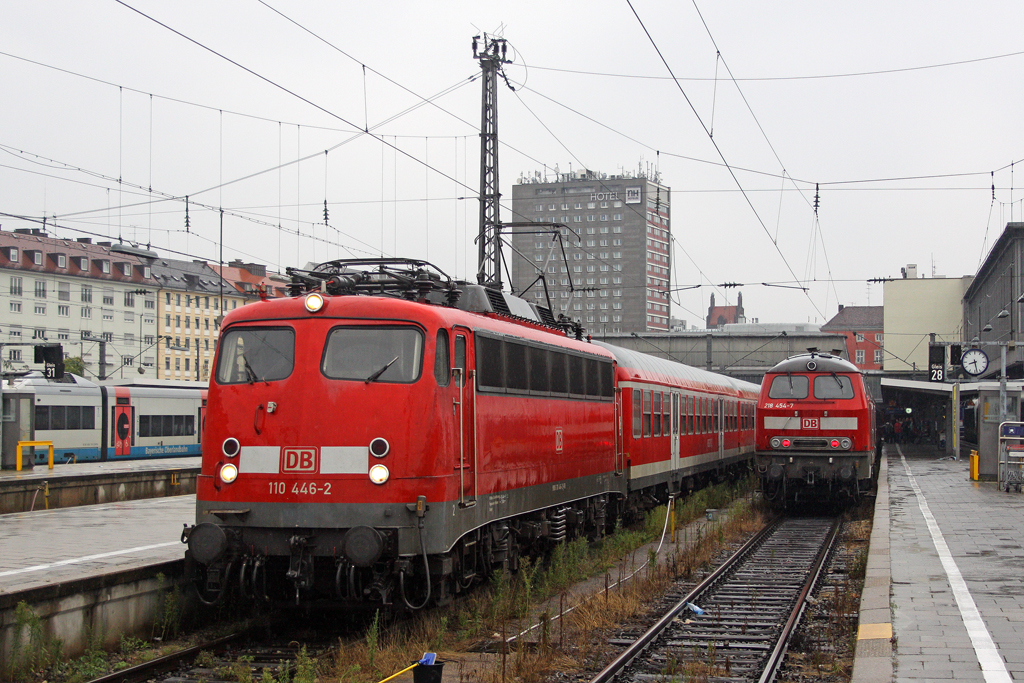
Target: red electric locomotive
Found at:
389, 436
815, 434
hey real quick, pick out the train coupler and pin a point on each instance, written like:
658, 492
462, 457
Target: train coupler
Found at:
300, 564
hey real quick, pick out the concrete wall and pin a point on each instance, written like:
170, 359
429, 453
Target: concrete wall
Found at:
21, 495
914, 308
101, 608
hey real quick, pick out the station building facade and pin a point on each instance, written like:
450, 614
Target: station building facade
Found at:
617, 237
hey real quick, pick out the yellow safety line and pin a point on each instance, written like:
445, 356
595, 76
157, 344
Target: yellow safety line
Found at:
874, 631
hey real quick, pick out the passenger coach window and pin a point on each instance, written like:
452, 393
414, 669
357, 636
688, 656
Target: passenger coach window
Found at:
789, 386
657, 414
833, 386
375, 354
255, 354
636, 414
647, 413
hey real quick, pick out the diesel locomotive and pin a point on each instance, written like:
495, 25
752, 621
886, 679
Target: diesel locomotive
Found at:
816, 431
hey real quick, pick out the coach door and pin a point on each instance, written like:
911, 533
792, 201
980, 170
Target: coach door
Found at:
122, 431
720, 427
675, 431
465, 408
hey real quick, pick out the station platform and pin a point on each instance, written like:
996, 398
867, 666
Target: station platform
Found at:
945, 575
49, 547
70, 485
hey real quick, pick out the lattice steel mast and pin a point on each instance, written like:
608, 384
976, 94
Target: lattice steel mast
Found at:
491, 57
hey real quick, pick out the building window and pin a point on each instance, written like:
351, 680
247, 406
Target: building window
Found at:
129, 299
149, 339
108, 297
40, 289
64, 311
126, 268
878, 338
37, 258
15, 286
177, 364
15, 307
14, 355
860, 356
878, 356
127, 361
167, 361
86, 294
108, 336
860, 337
12, 254
63, 335
150, 302
167, 318
14, 333
86, 312
40, 309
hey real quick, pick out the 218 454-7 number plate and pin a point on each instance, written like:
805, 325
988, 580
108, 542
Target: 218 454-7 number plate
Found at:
280, 488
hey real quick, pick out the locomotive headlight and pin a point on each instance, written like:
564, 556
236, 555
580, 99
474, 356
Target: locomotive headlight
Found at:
379, 447
845, 444
230, 447
228, 473
314, 302
379, 474
776, 442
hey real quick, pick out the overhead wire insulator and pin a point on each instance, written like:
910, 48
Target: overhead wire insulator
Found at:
325, 212
188, 223
817, 198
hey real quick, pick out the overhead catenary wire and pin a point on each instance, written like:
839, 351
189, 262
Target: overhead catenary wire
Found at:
720, 153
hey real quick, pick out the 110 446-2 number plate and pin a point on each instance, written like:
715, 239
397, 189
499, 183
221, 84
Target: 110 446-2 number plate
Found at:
279, 488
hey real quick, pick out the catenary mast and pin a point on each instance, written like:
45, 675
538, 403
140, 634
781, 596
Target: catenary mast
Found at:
491, 57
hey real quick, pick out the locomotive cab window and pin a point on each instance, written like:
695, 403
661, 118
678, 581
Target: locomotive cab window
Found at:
788, 386
442, 365
833, 386
374, 354
256, 354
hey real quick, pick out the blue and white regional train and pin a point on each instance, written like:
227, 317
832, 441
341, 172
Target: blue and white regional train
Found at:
88, 422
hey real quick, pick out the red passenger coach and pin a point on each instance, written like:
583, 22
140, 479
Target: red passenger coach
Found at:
816, 434
389, 436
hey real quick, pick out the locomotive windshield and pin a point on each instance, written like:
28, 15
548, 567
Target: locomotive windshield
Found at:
833, 386
256, 354
789, 386
374, 354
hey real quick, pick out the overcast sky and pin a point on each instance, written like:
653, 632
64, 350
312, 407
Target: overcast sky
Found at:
872, 100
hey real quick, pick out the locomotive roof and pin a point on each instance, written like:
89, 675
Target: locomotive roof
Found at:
656, 369
823, 362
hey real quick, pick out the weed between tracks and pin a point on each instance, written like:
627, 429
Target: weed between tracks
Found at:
539, 592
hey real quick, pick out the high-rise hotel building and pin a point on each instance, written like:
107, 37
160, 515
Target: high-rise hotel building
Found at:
617, 239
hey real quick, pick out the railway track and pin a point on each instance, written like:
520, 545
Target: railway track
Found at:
735, 625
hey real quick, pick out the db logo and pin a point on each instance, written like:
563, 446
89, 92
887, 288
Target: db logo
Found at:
300, 460
810, 423
558, 440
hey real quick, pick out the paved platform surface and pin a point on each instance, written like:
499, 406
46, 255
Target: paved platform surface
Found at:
957, 567
53, 546
42, 472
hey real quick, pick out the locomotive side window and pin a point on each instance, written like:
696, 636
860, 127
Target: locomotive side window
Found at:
460, 358
637, 413
515, 367
559, 373
540, 368
442, 367
577, 382
489, 364
256, 354
788, 386
833, 386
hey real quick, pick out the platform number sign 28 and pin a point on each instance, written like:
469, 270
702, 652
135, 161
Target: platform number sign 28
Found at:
936, 363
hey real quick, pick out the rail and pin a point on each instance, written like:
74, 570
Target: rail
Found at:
756, 645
